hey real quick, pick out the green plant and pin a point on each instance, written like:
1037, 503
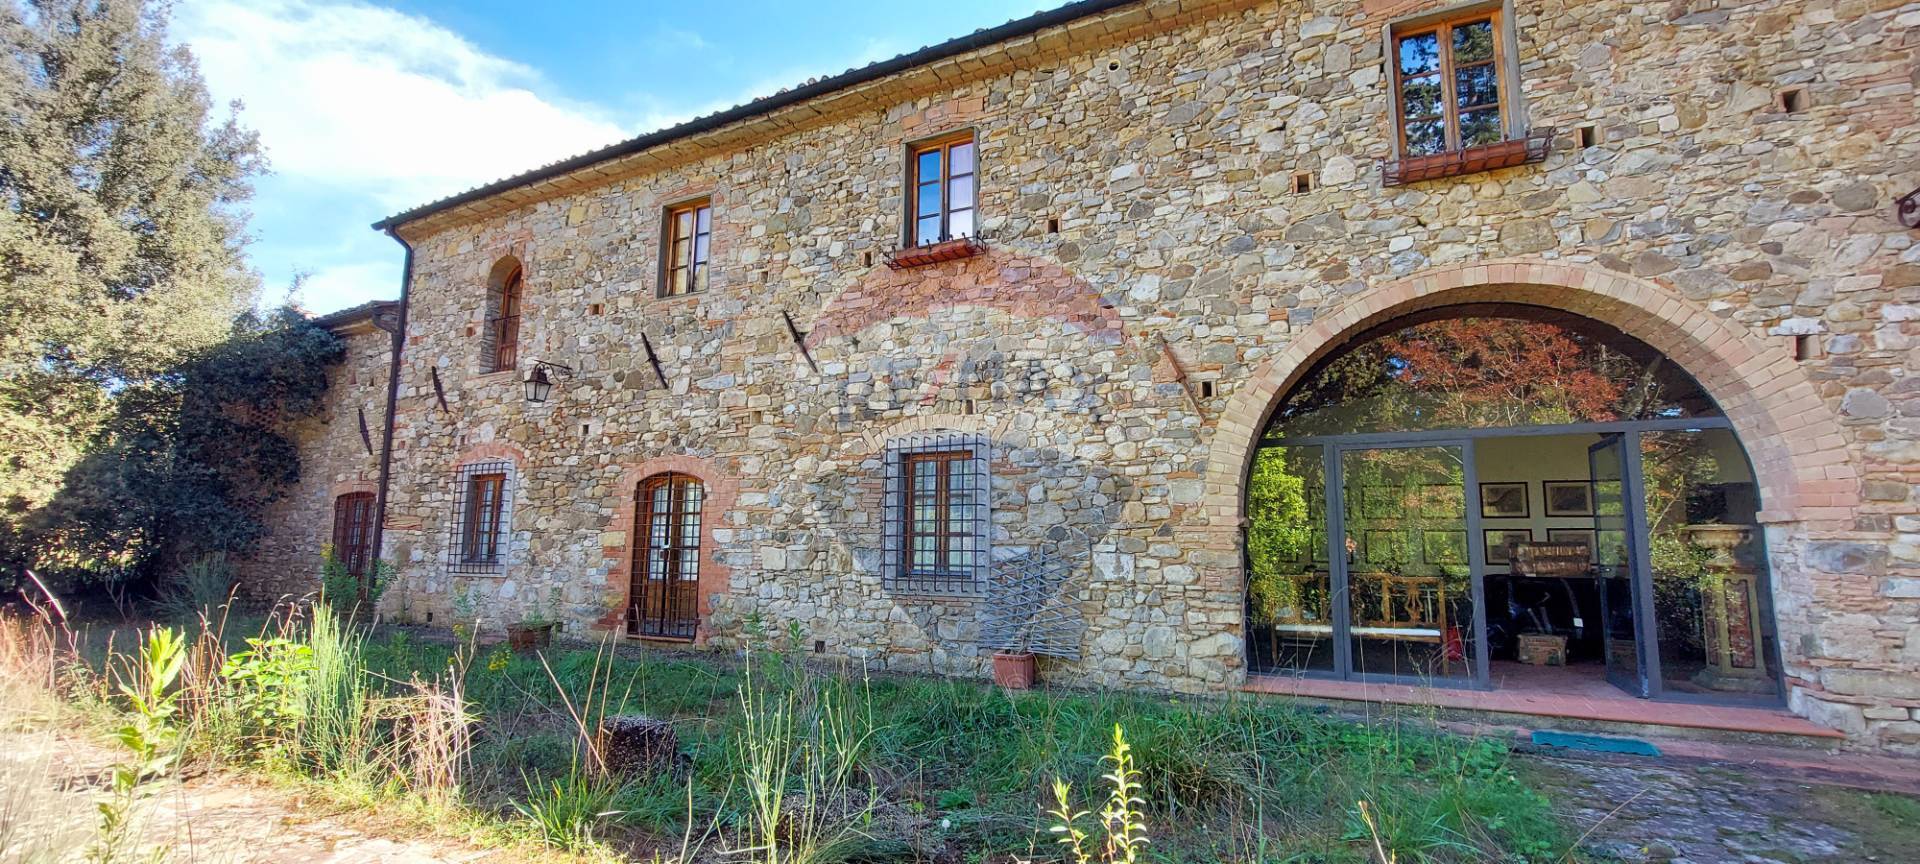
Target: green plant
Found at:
1121, 821
567, 810
197, 589
266, 689
797, 752
542, 614
342, 589
146, 683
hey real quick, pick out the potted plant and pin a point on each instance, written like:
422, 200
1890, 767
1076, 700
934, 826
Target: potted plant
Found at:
534, 630
1013, 667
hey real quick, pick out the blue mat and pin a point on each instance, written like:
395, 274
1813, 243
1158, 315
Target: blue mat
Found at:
1596, 743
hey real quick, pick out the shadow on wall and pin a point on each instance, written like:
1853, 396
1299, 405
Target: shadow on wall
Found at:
1043, 501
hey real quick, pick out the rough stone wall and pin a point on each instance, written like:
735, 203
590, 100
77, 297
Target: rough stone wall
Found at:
334, 461
1168, 162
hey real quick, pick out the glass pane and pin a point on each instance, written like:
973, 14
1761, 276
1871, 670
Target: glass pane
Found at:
1476, 86
682, 247
1419, 54
1426, 137
1289, 585
962, 156
960, 224
704, 222
682, 224
1619, 609
677, 283
929, 200
1509, 366
1709, 568
1473, 42
1420, 97
1480, 127
960, 193
1409, 583
700, 248
929, 166
928, 230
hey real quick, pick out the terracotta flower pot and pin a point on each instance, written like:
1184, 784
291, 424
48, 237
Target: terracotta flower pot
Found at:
1014, 671
524, 638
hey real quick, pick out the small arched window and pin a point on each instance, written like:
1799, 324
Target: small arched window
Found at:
504, 327
665, 598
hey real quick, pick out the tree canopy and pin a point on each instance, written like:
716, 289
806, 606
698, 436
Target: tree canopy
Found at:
123, 284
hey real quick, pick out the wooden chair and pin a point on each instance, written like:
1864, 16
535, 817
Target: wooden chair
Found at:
1405, 608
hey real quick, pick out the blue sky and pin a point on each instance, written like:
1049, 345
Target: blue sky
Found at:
367, 109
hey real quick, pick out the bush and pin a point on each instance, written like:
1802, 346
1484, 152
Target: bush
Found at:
197, 590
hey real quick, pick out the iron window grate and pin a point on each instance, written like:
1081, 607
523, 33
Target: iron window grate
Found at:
936, 514
482, 497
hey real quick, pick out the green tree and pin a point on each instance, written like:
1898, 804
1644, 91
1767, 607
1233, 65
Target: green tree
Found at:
187, 461
121, 229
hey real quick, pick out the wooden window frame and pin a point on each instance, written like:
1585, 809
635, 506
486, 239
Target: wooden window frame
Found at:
944, 144
671, 262
944, 532
353, 520
505, 325
1441, 23
483, 518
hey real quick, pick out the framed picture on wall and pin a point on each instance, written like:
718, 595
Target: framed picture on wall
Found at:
1503, 500
1568, 497
1444, 547
1380, 502
1581, 536
1499, 541
1443, 501
1383, 548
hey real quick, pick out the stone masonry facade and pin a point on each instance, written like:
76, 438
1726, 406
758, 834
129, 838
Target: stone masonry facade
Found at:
339, 449
1155, 277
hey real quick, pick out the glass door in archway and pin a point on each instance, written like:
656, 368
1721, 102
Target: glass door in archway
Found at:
1406, 570
1617, 568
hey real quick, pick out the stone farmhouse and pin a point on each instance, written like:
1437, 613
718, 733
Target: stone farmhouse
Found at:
1532, 356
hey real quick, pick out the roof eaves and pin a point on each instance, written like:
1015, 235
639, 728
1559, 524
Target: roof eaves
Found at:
1015, 29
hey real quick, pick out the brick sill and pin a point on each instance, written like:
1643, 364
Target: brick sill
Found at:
948, 250
1510, 153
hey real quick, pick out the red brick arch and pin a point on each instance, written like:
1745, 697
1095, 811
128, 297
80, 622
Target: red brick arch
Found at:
617, 540
1791, 434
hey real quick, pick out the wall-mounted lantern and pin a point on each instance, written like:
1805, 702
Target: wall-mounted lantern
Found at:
540, 379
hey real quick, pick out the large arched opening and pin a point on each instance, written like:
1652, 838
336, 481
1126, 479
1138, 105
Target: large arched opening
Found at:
1496, 494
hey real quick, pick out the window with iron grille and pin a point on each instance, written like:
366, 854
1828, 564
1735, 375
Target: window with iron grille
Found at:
936, 514
481, 511
940, 190
504, 327
353, 531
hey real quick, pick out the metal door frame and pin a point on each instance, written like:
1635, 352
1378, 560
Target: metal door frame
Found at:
1336, 515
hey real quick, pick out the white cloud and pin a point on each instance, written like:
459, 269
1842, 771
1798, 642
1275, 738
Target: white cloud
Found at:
343, 285
374, 100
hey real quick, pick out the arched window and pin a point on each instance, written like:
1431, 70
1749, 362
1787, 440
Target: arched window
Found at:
664, 602
503, 329
353, 531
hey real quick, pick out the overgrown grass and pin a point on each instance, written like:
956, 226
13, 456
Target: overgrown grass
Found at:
1238, 779
786, 763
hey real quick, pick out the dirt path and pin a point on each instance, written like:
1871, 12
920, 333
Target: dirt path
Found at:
47, 814
1708, 813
